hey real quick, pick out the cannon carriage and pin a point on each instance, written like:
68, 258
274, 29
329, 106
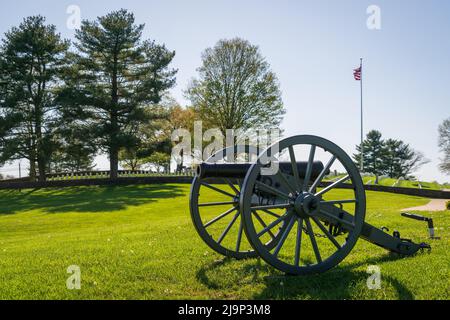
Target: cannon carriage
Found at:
283, 206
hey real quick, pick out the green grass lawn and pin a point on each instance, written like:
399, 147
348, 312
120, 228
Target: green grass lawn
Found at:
391, 182
138, 242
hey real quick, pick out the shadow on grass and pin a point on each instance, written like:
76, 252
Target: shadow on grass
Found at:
85, 199
335, 284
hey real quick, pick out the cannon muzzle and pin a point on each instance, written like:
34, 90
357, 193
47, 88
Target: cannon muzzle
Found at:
239, 170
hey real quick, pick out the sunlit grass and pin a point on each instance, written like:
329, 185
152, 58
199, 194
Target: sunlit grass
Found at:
138, 242
391, 182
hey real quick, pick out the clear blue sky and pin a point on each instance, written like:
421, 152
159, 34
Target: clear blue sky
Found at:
313, 47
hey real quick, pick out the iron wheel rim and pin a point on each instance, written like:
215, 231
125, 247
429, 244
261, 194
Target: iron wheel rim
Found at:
359, 216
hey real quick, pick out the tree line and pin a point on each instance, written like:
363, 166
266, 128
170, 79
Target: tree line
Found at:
397, 159
106, 92
390, 157
63, 102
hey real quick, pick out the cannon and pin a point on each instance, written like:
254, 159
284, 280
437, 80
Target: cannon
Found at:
298, 218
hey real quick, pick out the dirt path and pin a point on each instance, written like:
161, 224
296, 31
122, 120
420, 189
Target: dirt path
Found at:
433, 205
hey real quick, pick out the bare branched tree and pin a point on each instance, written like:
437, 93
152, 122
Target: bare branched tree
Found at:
444, 145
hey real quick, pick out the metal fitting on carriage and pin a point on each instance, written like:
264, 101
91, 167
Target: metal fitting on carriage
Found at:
422, 218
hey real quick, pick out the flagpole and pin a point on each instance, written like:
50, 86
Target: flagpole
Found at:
362, 128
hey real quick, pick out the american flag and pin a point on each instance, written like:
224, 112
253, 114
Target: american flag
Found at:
357, 74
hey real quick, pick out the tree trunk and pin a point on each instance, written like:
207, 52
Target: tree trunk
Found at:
41, 156
134, 164
113, 162
41, 167
114, 150
32, 168
41, 160
32, 155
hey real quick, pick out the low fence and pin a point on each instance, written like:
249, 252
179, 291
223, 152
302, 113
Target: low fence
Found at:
155, 179
100, 174
81, 175
152, 178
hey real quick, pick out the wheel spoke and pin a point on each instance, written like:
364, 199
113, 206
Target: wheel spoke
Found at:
334, 218
232, 186
261, 221
309, 167
272, 206
327, 233
294, 167
223, 203
333, 185
339, 201
273, 224
283, 237
225, 232
222, 215
272, 190
313, 240
217, 189
322, 174
273, 214
298, 243
239, 238
285, 181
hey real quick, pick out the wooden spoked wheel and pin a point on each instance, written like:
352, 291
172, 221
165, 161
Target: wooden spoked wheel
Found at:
323, 222
216, 215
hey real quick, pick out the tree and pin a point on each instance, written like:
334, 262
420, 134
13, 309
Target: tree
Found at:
181, 118
117, 76
129, 160
74, 149
155, 134
401, 160
151, 136
236, 88
32, 58
392, 161
390, 157
374, 154
160, 160
444, 145
3, 122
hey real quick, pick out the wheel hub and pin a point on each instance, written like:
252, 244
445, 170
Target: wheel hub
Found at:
306, 204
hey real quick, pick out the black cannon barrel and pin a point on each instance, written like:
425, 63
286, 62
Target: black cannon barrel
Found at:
239, 170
